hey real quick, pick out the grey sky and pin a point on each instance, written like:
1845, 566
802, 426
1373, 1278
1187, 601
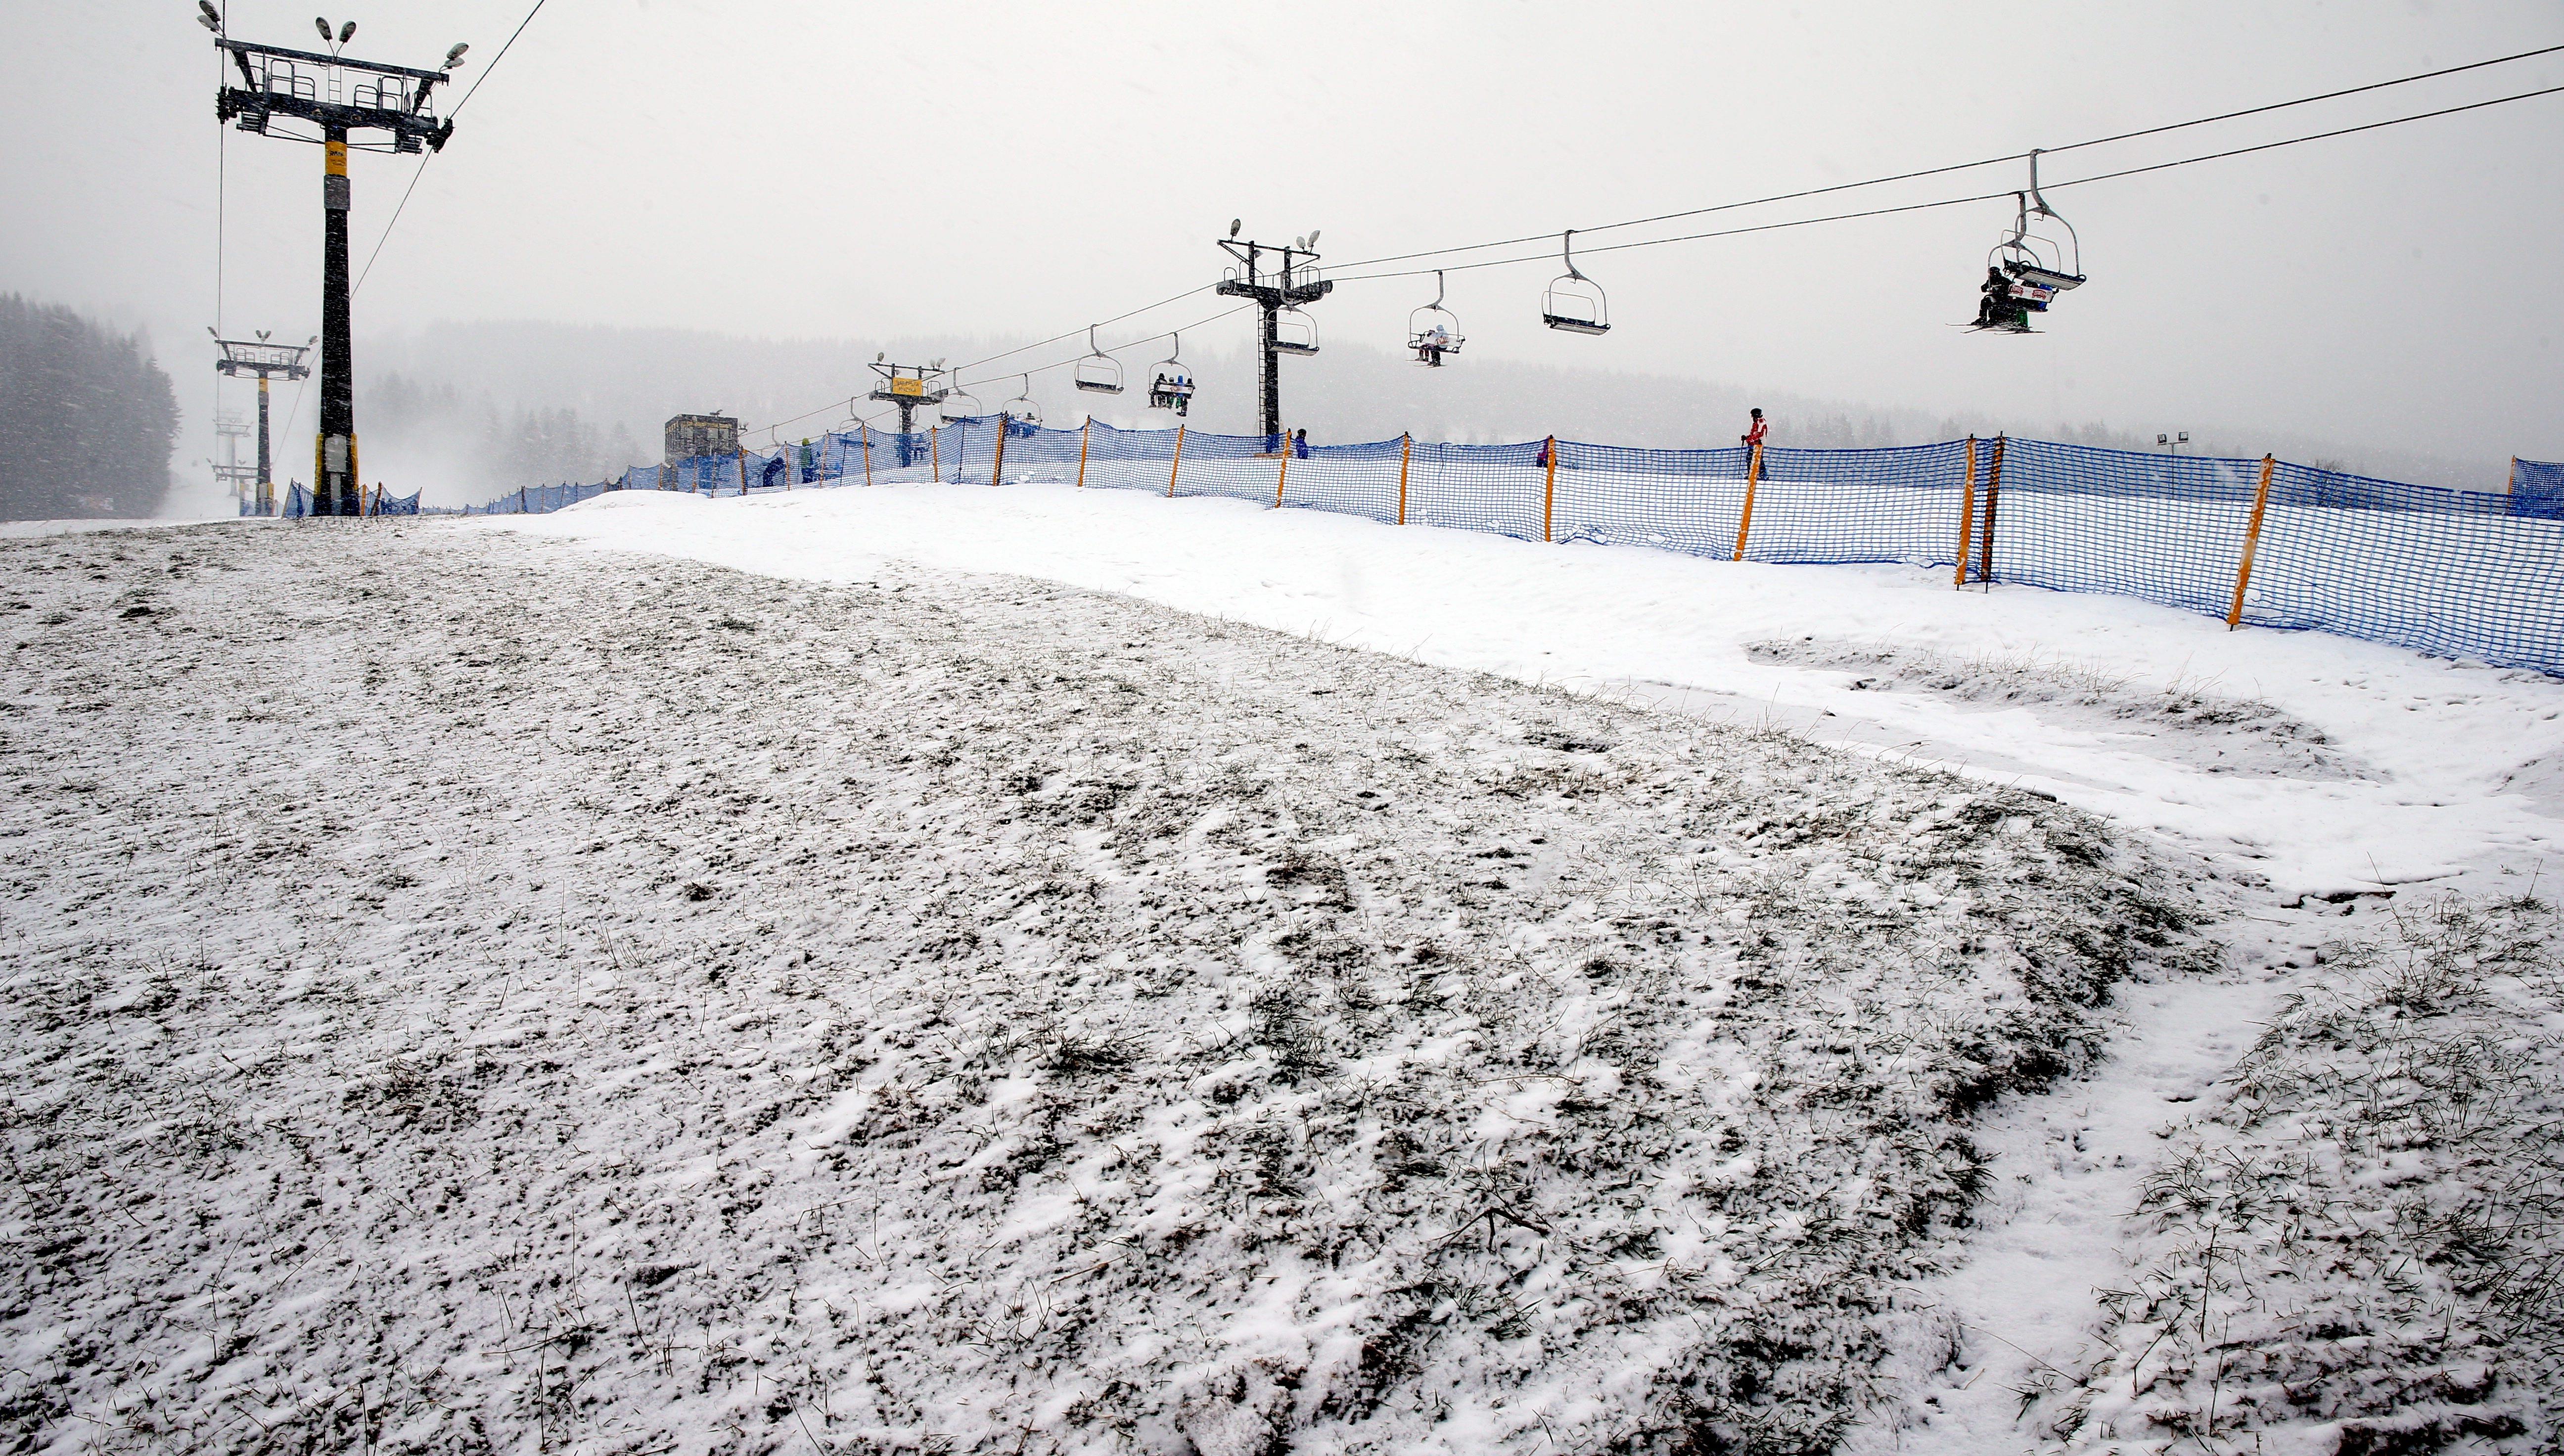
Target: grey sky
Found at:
794, 169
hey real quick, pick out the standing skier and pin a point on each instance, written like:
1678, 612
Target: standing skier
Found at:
1754, 435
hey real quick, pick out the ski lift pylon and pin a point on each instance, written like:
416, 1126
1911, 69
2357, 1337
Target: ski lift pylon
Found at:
1171, 388
2026, 270
1294, 331
1575, 302
1433, 331
1099, 373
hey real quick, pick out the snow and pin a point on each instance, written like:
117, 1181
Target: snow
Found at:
505, 979
2437, 771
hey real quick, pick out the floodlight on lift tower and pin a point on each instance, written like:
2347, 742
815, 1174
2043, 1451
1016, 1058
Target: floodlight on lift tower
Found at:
330, 98
267, 361
1276, 292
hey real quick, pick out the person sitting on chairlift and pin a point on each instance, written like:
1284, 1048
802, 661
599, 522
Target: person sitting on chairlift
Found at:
1998, 308
1435, 343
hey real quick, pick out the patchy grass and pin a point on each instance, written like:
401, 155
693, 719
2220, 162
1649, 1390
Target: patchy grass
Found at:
516, 1004
2360, 1246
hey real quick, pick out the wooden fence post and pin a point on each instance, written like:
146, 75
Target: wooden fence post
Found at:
1744, 518
997, 469
935, 450
1285, 473
1179, 465
1406, 451
1993, 488
1967, 514
864, 432
1082, 433
2251, 543
1549, 491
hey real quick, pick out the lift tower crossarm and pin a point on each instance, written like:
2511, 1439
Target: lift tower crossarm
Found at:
1296, 283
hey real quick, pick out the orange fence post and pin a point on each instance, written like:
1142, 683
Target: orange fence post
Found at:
1089, 429
866, 432
935, 450
1993, 488
1744, 518
2251, 543
1406, 451
1967, 514
1548, 492
1285, 473
1179, 465
997, 469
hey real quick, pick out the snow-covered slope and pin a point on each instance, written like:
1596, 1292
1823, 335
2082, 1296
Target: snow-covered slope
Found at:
467, 991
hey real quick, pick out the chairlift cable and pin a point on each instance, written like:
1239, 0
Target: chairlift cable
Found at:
1979, 197
403, 204
1848, 186
1964, 166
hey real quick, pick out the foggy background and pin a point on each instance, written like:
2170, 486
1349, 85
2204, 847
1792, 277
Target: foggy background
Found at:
657, 205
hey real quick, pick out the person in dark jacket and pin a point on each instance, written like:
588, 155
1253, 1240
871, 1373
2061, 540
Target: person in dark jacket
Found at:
1300, 443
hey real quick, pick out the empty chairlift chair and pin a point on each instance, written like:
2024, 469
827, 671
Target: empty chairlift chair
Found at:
2026, 270
1574, 301
962, 404
1433, 331
1294, 333
1171, 386
1099, 373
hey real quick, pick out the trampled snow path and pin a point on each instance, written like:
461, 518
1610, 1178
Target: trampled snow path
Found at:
466, 991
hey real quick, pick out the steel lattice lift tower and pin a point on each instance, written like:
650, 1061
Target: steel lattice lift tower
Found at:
1297, 282
266, 360
337, 97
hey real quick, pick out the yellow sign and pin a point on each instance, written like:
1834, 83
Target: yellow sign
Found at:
909, 388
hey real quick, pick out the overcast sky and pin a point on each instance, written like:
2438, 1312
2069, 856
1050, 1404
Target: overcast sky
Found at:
797, 168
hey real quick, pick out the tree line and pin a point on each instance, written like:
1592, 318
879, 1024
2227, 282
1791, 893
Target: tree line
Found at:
87, 419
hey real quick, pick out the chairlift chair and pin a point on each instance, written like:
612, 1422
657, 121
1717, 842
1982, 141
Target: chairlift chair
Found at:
2026, 271
960, 404
1022, 409
1433, 331
1294, 333
1574, 301
1099, 373
1171, 385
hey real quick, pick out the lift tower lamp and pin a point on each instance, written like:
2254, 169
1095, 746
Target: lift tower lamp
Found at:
308, 96
267, 361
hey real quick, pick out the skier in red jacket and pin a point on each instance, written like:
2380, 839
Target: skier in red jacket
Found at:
1754, 436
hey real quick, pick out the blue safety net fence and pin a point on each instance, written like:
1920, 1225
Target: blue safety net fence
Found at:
2537, 487
2453, 573
295, 502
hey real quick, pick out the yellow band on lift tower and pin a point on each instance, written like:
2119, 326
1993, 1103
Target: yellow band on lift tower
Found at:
335, 166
